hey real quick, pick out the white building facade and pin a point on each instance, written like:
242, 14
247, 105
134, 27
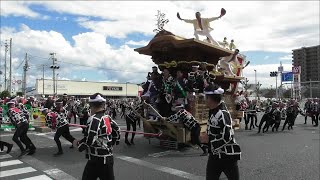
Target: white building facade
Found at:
85, 88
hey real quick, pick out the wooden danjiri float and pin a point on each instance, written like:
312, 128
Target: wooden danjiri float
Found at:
174, 52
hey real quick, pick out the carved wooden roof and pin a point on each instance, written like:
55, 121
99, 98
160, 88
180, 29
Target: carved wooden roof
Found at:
166, 46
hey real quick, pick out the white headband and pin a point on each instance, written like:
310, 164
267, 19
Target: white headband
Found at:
217, 91
196, 66
97, 99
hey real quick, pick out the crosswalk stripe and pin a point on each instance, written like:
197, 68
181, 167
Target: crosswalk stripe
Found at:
41, 177
5, 156
10, 163
16, 171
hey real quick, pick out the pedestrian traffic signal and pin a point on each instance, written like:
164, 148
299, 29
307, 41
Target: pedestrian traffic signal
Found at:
273, 74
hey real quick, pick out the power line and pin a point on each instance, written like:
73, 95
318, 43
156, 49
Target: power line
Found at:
90, 66
102, 68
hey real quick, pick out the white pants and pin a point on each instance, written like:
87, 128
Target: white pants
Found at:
206, 33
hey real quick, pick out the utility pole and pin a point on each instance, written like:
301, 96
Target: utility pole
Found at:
25, 69
10, 72
5, 65
54, 67
255, 83
280, 69
43, 79
57, 84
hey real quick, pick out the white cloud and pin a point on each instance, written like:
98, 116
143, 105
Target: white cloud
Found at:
89, 49
263, 74
137, 43
252, 24
18, 8
252, 27
286, 58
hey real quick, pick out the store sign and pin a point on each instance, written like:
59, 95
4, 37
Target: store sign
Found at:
296, 69
112, 88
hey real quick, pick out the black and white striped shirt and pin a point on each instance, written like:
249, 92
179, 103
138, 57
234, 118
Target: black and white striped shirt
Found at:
221, 135
16, 116
101, 134
184, 117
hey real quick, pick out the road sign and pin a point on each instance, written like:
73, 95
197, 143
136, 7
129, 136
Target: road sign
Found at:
287, 76
280, 68
296, 69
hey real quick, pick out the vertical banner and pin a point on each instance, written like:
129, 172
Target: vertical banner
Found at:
296, 70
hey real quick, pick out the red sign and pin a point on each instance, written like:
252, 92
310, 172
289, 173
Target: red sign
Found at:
296, 69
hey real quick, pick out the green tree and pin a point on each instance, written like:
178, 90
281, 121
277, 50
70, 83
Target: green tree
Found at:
4, 94
287, 93
271, 93
19, 93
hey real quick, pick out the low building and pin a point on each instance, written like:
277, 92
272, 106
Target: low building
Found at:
84, 88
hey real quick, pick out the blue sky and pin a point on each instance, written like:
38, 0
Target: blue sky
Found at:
103, 34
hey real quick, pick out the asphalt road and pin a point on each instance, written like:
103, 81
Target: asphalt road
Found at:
280, 155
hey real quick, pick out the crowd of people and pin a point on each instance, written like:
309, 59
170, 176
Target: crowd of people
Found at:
277, 111
170, 96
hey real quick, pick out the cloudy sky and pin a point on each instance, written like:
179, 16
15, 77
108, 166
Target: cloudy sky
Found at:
94, 41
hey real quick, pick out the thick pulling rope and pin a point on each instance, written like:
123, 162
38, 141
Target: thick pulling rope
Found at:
146, 134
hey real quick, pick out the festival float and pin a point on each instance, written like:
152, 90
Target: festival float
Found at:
173, 52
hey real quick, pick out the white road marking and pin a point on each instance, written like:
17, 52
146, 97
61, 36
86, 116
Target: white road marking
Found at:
9, 163
76, 130
17, 171
41, 177
11, 134
58, 174
156, 155
5, 156
49, 170
164, 169
63, 141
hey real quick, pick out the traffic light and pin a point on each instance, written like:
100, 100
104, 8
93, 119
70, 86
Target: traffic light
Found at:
273, 74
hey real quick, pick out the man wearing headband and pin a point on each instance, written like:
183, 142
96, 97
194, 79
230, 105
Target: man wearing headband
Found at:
277, 117
196, 80
268, 117
21, 123
59, 122
308, 110
183, 116
131, 120
252, 115
224, 152
292, 112
315, 111
49, 103
72, 104
83, 112
101, 135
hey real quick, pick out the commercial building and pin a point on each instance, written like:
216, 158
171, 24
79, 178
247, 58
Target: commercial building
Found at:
309, 60
84, 88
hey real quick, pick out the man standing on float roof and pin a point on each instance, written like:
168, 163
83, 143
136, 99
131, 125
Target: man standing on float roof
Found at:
202, 25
